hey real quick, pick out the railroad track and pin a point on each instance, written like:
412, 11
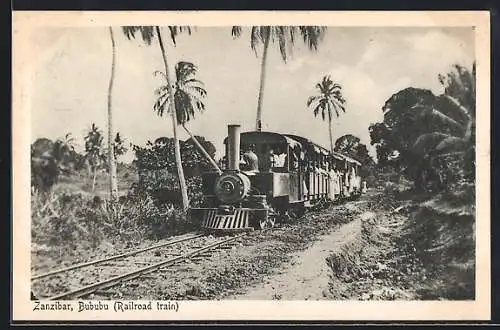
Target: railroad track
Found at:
83, 279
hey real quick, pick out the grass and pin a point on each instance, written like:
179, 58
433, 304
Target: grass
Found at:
70, 224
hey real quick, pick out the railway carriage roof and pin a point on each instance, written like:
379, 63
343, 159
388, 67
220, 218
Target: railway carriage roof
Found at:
306, 142
323, 150
256, 137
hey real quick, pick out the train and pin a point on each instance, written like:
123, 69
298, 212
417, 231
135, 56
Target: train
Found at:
269, 178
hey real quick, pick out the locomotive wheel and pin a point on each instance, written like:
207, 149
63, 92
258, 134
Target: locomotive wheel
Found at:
297, 211
286, 217
267, 222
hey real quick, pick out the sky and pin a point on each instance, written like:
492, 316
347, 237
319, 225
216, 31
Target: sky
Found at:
73, 65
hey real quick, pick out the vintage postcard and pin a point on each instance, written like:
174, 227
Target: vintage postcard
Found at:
251, 166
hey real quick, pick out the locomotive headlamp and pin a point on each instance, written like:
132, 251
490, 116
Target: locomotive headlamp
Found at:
227, 186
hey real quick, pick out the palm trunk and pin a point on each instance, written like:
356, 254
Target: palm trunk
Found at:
331, 134
178, 160
258, 123
93, 179
111, 153
203, 151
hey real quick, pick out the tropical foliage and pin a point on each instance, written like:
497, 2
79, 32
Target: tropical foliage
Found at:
328, 102
188, 93
119, 146
155, 163
351, 146
430, 138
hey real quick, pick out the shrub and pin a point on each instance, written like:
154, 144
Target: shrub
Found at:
69, 221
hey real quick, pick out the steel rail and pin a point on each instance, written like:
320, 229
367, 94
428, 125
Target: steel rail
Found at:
126, 254
83, 291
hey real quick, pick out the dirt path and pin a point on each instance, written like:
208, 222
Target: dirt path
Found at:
306, 277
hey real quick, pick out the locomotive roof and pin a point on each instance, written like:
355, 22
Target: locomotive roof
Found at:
254, 137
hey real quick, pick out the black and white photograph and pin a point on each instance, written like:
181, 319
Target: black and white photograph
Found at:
328, 160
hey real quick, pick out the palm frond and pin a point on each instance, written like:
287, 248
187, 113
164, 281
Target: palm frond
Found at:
147, 32
194, 91
259, 35
317, 109
425, 143
176, 30
161, 91
451, 144
236, 31
280, 33
312, 35
338, 104
200, 106
312, 99
438, 116
194, 82
161, 106
464, 111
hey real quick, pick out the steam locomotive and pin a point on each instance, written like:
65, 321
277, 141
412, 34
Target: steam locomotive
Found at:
270, 177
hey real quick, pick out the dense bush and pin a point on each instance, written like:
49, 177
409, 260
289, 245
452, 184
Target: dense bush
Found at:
73, 220
430, 139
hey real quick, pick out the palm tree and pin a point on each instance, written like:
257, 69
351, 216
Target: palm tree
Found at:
94, 151
111, 158
330, 101
147, 34
285, 37
188, 98
452, 118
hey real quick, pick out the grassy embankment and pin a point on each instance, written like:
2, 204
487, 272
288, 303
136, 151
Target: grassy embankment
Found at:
414, 247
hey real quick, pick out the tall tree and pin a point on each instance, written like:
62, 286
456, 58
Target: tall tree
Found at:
351, 145
188, 98
347, 144
454, 115
285, 37
64, 153
421, 127
113, 184
329, 102
148, 33
94, 151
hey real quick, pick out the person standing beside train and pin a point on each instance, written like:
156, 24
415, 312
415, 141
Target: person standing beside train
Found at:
331, 181
345, 180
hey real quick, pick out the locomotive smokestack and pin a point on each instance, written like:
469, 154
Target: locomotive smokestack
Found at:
233, 146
